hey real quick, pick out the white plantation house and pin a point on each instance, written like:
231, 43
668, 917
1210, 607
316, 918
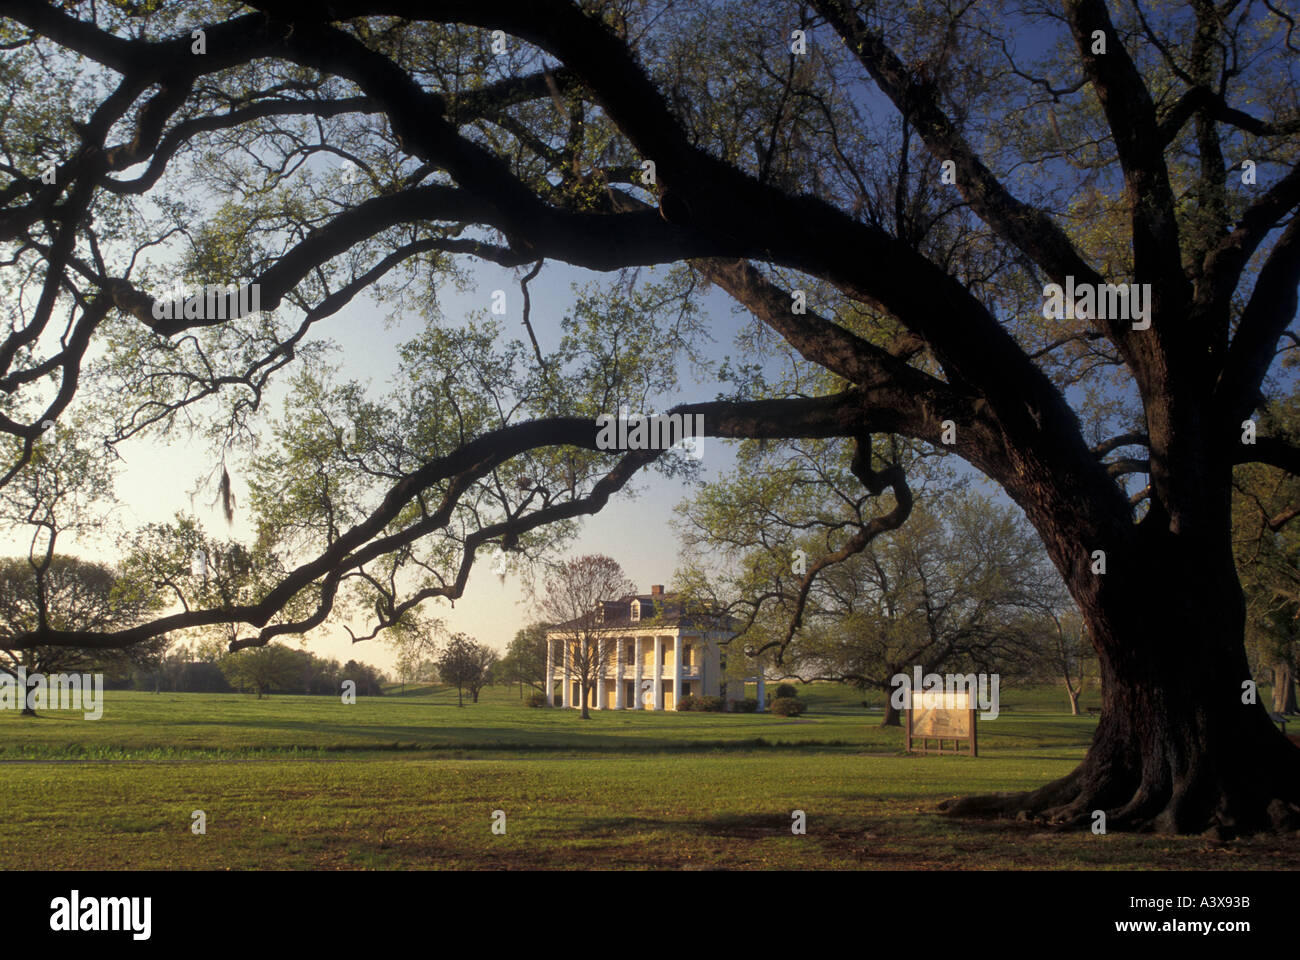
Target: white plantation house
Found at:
653, 654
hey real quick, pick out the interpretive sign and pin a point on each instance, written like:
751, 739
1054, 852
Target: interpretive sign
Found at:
940, 717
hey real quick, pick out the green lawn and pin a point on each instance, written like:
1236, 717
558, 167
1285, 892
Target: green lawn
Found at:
411, 781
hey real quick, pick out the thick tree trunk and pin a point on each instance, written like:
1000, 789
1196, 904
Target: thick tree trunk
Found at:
1074, 699
1180, 747
1283, 689
891, 718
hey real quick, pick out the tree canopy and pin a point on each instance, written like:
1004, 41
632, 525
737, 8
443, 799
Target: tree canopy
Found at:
899, 194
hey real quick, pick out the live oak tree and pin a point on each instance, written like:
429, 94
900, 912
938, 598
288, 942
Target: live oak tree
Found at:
891, 191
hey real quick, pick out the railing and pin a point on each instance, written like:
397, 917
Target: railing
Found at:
629, 673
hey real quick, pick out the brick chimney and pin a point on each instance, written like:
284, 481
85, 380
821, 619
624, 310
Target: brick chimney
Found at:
657, 590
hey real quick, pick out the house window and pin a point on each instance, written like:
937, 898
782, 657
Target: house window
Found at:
636, 609
686, 655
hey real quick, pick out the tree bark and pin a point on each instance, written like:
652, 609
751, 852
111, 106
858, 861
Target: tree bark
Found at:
28, 661
1074, 699
891, 718
1284, 689
1179, 747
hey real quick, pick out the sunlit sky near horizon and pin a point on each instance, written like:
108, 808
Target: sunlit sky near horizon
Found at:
159, 479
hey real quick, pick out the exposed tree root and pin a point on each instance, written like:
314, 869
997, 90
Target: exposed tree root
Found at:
1156, 802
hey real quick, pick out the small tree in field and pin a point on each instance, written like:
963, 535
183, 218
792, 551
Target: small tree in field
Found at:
262, 670
467, 664
575, 598
525, 659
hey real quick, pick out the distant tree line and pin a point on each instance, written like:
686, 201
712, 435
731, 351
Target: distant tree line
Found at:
276, 668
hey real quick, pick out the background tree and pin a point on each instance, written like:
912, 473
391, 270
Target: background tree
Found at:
148, 661
1066, 650
579, 598
525, 660
414, 639
369, 680
273, 667
467, 664
408, 667
74, 594
1267, 549
955, 589
905, 253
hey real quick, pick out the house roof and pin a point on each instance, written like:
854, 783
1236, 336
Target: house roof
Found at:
663, 610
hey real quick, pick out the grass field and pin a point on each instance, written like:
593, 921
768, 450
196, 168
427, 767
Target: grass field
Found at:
411, 781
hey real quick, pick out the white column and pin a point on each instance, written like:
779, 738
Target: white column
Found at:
762, 698
637, 702
618, 674
568, 685
600, 673
550, 672
659, 674
677, 670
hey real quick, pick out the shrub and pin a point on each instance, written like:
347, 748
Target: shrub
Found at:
745, 705
688, 702
788, 706
786, 690
712, 704
537, 699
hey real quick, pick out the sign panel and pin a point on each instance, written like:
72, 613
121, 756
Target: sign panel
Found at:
940, 716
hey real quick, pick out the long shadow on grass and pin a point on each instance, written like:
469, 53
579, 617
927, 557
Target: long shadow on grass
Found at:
407, 738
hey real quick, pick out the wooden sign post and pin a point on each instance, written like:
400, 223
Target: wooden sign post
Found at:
940, 716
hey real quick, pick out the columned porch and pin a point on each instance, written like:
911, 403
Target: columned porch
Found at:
632, 665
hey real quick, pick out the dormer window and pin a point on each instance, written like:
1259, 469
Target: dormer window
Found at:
636, 609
